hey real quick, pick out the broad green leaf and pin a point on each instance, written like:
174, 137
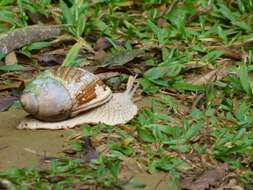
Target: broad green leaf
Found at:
8, 16
102, 26
188, 86
156, 73
14, 67
145, 135
135, 184
169, 101
86, 130
2, 55
81, 23
72, 55
37, 45
244, 79
148, 86
212, 55
161, 34
114, 167
67, 16
192, 131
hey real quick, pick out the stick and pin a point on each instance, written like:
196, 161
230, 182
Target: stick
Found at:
23, 36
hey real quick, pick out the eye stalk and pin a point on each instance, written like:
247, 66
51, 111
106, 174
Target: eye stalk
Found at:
29, 103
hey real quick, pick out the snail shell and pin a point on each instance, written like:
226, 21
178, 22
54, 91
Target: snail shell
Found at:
62, 92
103, 105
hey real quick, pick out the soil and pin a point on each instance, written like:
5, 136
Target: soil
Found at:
24, 148
21, 148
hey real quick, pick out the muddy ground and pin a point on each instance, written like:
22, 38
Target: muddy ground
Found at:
24, 148
20, 148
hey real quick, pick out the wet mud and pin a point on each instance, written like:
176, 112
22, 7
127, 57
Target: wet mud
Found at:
21, 148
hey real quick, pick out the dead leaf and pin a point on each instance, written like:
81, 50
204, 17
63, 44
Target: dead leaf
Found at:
162, 23
11, 85
89, 151
120, 58
230, 52
197, 64
107, 75
213, 75
11, 59
232, 185
6, 102
102, 44
36, 17
119, 69
51, 58
245, 43
209, 178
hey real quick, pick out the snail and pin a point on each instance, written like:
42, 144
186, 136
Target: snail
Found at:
64, 97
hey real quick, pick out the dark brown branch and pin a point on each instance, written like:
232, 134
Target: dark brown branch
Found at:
23, 36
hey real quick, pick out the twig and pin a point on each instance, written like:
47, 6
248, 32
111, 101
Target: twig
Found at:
228, 52
23, 36
3, 147
197, 14
196, 101
107, 75
172, 5
34, 152
245, 43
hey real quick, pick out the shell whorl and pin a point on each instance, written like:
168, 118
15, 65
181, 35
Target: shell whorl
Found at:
119, 110
63, 92
86, 89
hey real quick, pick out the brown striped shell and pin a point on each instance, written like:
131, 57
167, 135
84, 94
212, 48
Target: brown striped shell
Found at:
63, 92
120, 109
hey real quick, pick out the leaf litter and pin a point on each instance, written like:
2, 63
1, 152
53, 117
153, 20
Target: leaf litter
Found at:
208, 179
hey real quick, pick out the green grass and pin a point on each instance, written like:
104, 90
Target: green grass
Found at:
173, 37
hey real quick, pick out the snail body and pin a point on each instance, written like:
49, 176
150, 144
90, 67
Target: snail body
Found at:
64, 97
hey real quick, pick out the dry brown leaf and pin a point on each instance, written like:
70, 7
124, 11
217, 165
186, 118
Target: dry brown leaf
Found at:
11, 59
213, 75
51, 58
36, 17
120, 58
11, 85
6, 102
88, 150
231, 53
102, 44
162, 23
107, 75
232, 185
209, 178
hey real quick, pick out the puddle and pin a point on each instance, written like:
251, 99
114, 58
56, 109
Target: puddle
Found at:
19, 148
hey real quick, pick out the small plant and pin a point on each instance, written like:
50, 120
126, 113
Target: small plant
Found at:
75, 17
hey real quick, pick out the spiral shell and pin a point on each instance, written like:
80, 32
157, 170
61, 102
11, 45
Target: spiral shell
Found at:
63, 92
120, 109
